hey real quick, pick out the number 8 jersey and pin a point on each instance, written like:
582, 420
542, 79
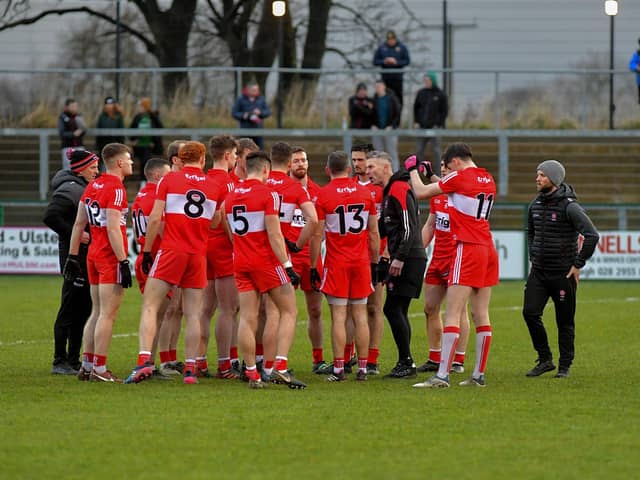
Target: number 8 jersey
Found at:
471, 194
191, 200
105, 192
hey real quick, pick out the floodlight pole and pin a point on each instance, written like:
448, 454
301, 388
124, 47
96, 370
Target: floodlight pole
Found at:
117, 50
612, 106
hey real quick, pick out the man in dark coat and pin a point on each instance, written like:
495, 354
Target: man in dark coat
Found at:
75, 307
430, 110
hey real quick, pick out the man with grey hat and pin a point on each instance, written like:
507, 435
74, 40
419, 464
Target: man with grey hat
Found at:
555, 221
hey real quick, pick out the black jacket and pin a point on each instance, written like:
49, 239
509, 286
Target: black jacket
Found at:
360, 112
67, 124
430, 108
61, 212
105, 121
554, 222
156, 147
393, 115
400, 219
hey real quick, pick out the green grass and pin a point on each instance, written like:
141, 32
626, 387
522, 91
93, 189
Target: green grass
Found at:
586, 426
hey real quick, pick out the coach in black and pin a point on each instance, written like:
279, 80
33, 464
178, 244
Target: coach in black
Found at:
75, 307
555, 220
400, 224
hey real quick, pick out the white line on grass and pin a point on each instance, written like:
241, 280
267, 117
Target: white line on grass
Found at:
304, 322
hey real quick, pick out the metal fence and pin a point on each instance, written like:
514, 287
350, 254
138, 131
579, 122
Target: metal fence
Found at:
575, 98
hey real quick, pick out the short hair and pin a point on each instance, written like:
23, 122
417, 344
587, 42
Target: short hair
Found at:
379, 154
458, 149
173, 148
246, 143
338, 162
256, 160
69, 101
280, 153
219, 144
112, 150
192, 152
297, 149
155, 163
362, 147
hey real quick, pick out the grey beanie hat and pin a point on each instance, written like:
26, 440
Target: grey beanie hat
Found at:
554, 171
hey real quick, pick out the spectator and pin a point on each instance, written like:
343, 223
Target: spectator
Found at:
430, 110
634, 66
251, 109
71, 128
386, 116
394, 55
68, 186
361, 108
144, 147
110, 117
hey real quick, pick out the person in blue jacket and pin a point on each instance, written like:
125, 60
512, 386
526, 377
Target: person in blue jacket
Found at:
250, 109
392, 54
634, 66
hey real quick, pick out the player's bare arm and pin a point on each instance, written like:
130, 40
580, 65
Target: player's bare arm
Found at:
429, 230
421, 190
276, 239
311, 220
154, 224
78, 229
315, 243
374, 239
115, 234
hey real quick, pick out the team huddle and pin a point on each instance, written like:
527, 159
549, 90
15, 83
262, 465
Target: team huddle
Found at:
241, 237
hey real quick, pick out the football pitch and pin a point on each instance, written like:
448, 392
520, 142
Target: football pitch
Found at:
584, 427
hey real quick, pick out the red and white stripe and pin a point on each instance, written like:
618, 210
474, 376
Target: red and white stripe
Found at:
457, 264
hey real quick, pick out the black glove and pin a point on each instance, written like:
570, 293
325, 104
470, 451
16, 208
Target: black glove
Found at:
293, 248
125, 274
147, 262
72, 268
293, 276
425, 168
374, 273
316, 281
383, 269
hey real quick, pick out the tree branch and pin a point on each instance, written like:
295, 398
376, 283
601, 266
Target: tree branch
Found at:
341, 54
151, 47
358, 16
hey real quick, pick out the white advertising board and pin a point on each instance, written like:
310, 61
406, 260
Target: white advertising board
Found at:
617, 257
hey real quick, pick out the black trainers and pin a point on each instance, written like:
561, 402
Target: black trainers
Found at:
337, 377
543, 366
563, 372
402, 370
286, 378
428, 366
63, 369
321, 368
361, 376
372, 369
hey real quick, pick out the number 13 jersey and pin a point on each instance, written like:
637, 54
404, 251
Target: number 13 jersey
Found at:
471, 194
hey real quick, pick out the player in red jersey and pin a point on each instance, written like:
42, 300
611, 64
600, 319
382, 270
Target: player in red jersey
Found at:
154, 170
278, 335
221, 292
104, 207
438, 226
245, 147
169, 332
471, 192
261, 265
374, 302
190, 203
347, 216
298, 170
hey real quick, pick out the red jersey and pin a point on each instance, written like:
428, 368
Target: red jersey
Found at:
291, 194
246, 208
298, 222
376, 194
345, 207
221, 180
106, 191
235, 179
445, 245
140, 211
191, 201
471, 193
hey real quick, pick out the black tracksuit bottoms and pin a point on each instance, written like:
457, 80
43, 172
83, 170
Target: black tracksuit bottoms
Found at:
75, 308
540, 286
